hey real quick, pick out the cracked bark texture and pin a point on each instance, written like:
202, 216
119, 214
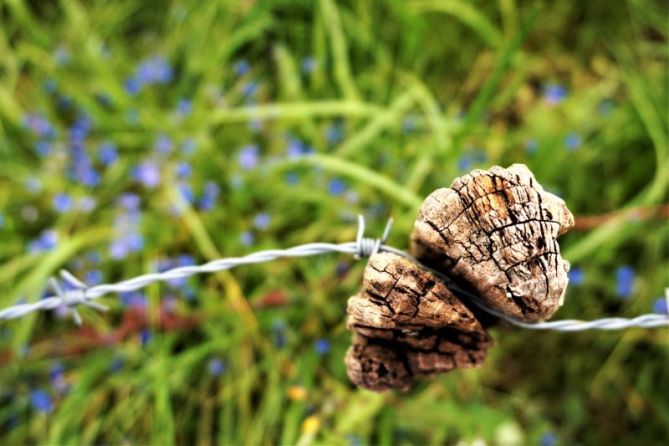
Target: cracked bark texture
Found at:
408, 325
495, 233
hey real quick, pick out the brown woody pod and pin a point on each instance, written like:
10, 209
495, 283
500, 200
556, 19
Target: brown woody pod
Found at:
408, 325
495, 232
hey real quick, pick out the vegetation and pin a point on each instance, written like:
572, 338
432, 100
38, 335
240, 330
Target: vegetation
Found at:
135, 136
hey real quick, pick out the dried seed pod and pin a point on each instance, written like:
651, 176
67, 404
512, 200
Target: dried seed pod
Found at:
408, 325
495, 232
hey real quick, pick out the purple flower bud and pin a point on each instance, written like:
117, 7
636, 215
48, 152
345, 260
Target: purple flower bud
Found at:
624, 281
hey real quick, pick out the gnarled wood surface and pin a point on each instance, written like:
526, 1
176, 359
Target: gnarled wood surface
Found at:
495, 232
408, 325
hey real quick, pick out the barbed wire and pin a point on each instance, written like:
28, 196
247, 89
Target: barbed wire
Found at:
73, 292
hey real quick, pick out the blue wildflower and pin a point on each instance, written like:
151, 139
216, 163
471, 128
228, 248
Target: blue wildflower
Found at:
47, 241
186, 192
547, 439
163, 144
242, 67
465, 162
43, 148
296, 148
216, 367
624, 281
554, 94
129, 202
39, 125
155, 70
292, 178
531, 146
309, 64
210, 195
133, 299
660, 305
184, 107
576, 276
94, 277
410, 123
336, 187
107, 153
62, 203
334, 133
147, 173
249, 89
262, 221
279, 333
246, 238
116, 365
248, 157
56, 371
322, 346
183, 170
145, 336
50, 86
41, 401
573, 141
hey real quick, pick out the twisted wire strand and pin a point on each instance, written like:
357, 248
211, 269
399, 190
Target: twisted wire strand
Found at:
78, 293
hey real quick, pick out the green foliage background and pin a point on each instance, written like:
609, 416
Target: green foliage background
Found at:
421, 91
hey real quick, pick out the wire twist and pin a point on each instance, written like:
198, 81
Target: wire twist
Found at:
75, 292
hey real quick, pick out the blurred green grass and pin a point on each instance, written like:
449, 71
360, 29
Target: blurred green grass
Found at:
388, 100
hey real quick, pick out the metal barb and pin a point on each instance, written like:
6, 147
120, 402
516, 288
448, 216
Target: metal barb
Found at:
367, 247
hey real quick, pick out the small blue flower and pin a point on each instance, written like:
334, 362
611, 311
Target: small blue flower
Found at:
554, 94
133, 299
116, 365
573, 141
547, 439
531, 146
47, 241
107, 153
155, 70
334, 133
184, 107
163, 144
309, 64
50, 86
248, 157
465, 163
624, 281
184, 170
295, 148
249, 89
336, 187
262, 221
216, 367
279, 333
39, 126
62, 203
94, 277
147, 173
145, 336
292, 178
129, 201
322, 346
41, 401
576, 276
132, 86
210, 195
410, 123
56, 371
186, 192
246, 238
43, 148
660, 305
242, 67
